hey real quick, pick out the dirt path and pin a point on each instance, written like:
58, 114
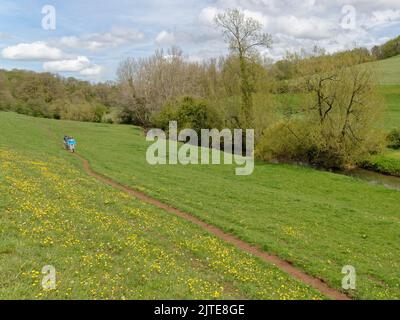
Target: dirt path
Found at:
285, 266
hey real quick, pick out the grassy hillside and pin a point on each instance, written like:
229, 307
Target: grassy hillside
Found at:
103, 243
318, 220
389, 77
388, 70
391, 95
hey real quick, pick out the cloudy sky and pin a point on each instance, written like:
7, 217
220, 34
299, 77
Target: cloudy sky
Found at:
92, 36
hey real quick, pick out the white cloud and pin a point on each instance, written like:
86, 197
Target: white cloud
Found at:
71, 65
35, 51
165, 38
92, 71
208, 14
257, 15
97, 41
383, 18
368, 5
71, 41
81, 64
308, 28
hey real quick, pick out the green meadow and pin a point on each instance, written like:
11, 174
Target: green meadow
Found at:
103, 243
388, 70
319, 221
391, 95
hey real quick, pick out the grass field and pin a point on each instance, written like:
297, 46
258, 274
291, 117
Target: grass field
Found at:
395, 154
317, 220
103, 243
388, 70
391, 95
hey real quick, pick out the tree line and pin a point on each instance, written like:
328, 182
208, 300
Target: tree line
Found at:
51, 96
387, 50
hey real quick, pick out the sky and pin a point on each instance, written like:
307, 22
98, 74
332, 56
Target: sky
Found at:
88, 39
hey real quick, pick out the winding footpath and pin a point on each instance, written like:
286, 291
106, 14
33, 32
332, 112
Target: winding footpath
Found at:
285, 266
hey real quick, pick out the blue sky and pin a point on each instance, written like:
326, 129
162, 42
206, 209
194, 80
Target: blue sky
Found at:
92, 37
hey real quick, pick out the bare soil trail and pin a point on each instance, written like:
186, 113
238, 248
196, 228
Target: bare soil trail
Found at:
285, 266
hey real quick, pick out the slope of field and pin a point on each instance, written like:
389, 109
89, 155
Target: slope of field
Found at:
391, 95
103, 243
317, 220
388, 70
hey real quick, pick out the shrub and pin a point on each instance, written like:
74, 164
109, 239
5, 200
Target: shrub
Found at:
190, 113
303, 141
135, 111
278, 143
394, 139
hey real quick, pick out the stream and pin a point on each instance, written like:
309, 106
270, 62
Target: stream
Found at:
372, 177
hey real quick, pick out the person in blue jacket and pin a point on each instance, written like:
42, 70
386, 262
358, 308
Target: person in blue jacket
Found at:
71, 144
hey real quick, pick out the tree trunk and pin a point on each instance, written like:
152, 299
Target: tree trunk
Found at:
247, 100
